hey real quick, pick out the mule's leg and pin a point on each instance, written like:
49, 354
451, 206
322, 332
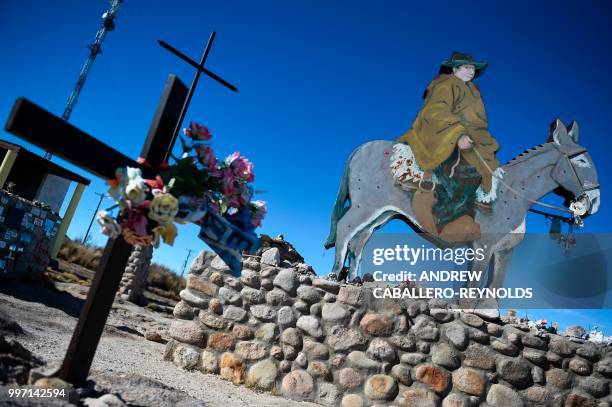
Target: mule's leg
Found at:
345, 230
501, 260
359, 241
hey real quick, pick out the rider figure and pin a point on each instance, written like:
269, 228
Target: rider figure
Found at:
451, 124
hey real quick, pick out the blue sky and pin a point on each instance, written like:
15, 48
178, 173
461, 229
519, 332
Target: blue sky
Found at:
316, 80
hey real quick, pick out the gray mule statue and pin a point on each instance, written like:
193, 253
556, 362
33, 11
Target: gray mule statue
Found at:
368, 198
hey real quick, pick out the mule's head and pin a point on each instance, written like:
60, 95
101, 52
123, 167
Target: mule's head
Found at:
575, 171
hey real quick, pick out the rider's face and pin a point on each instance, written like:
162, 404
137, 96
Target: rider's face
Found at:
465, 72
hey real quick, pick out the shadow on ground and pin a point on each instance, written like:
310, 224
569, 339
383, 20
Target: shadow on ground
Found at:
61, 300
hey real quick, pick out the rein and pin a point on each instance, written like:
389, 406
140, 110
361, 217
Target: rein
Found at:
575, 217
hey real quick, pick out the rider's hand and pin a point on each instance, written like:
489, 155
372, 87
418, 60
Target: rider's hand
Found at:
464, 142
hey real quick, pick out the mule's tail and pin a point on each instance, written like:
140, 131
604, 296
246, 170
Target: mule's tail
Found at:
339, 206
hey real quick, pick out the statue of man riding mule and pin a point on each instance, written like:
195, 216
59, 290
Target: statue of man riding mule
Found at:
442, 178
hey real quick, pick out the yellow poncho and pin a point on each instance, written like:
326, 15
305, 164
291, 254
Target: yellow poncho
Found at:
451, 109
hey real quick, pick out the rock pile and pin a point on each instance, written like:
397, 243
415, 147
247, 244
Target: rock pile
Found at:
134, 279
280, 328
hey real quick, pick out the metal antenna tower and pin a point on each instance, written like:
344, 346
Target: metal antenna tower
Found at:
108, 24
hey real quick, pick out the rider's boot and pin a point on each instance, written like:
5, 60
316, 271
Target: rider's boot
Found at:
462, 229
423, 202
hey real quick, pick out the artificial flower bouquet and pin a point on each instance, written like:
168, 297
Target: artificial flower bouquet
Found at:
183, 192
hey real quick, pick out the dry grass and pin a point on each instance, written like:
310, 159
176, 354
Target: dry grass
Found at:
161, 278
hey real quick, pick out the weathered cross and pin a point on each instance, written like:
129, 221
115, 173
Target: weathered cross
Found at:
36, 125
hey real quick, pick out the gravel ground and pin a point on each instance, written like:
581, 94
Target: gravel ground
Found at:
48, 318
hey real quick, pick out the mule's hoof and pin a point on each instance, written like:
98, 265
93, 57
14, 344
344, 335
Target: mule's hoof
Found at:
329, 245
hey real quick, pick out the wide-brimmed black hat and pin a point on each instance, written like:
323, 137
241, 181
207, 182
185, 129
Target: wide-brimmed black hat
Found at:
459, 58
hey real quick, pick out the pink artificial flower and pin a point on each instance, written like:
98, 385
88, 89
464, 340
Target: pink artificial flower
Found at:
258, 212
157, 185
241, 166
207, 158
228, 182
197, 131
137, 219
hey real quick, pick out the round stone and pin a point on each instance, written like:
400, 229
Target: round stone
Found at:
472, 320
436, 378
271, 256
499, 395
443, 354
457, 335
315, 350
252, 296
377, 324
310, 325
186, 357
285, 317
517, 372
559, 378
242, 331
187, 332
404, 342
209, 362
297, 383
250, 278
250, 350
301, 360
263, 312
319, 369
425, 328
291, 336
381, 350
232, 368
267, 332
182, 310
221, 341
380, 387
418, 397
211, 320
335, 313
277, 297
402, 374
349, 378
308, 294
479, 356
412, 358
287, 280
262, 375
343, 339
580, 366
215, 306
315, 310
469, 381
352, 400
360, 360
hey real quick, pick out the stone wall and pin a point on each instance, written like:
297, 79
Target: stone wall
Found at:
284, 330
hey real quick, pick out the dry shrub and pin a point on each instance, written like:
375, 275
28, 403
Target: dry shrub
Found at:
89, 256
85, 255
165, 279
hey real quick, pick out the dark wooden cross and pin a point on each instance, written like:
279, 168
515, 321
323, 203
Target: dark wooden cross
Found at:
37, 126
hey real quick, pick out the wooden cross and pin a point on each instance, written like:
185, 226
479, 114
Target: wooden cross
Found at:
40, 127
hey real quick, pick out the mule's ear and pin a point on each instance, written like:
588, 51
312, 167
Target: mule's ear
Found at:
574, 132
558, 132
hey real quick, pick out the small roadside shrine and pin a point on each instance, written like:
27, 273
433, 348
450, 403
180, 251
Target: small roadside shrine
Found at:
31, 227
